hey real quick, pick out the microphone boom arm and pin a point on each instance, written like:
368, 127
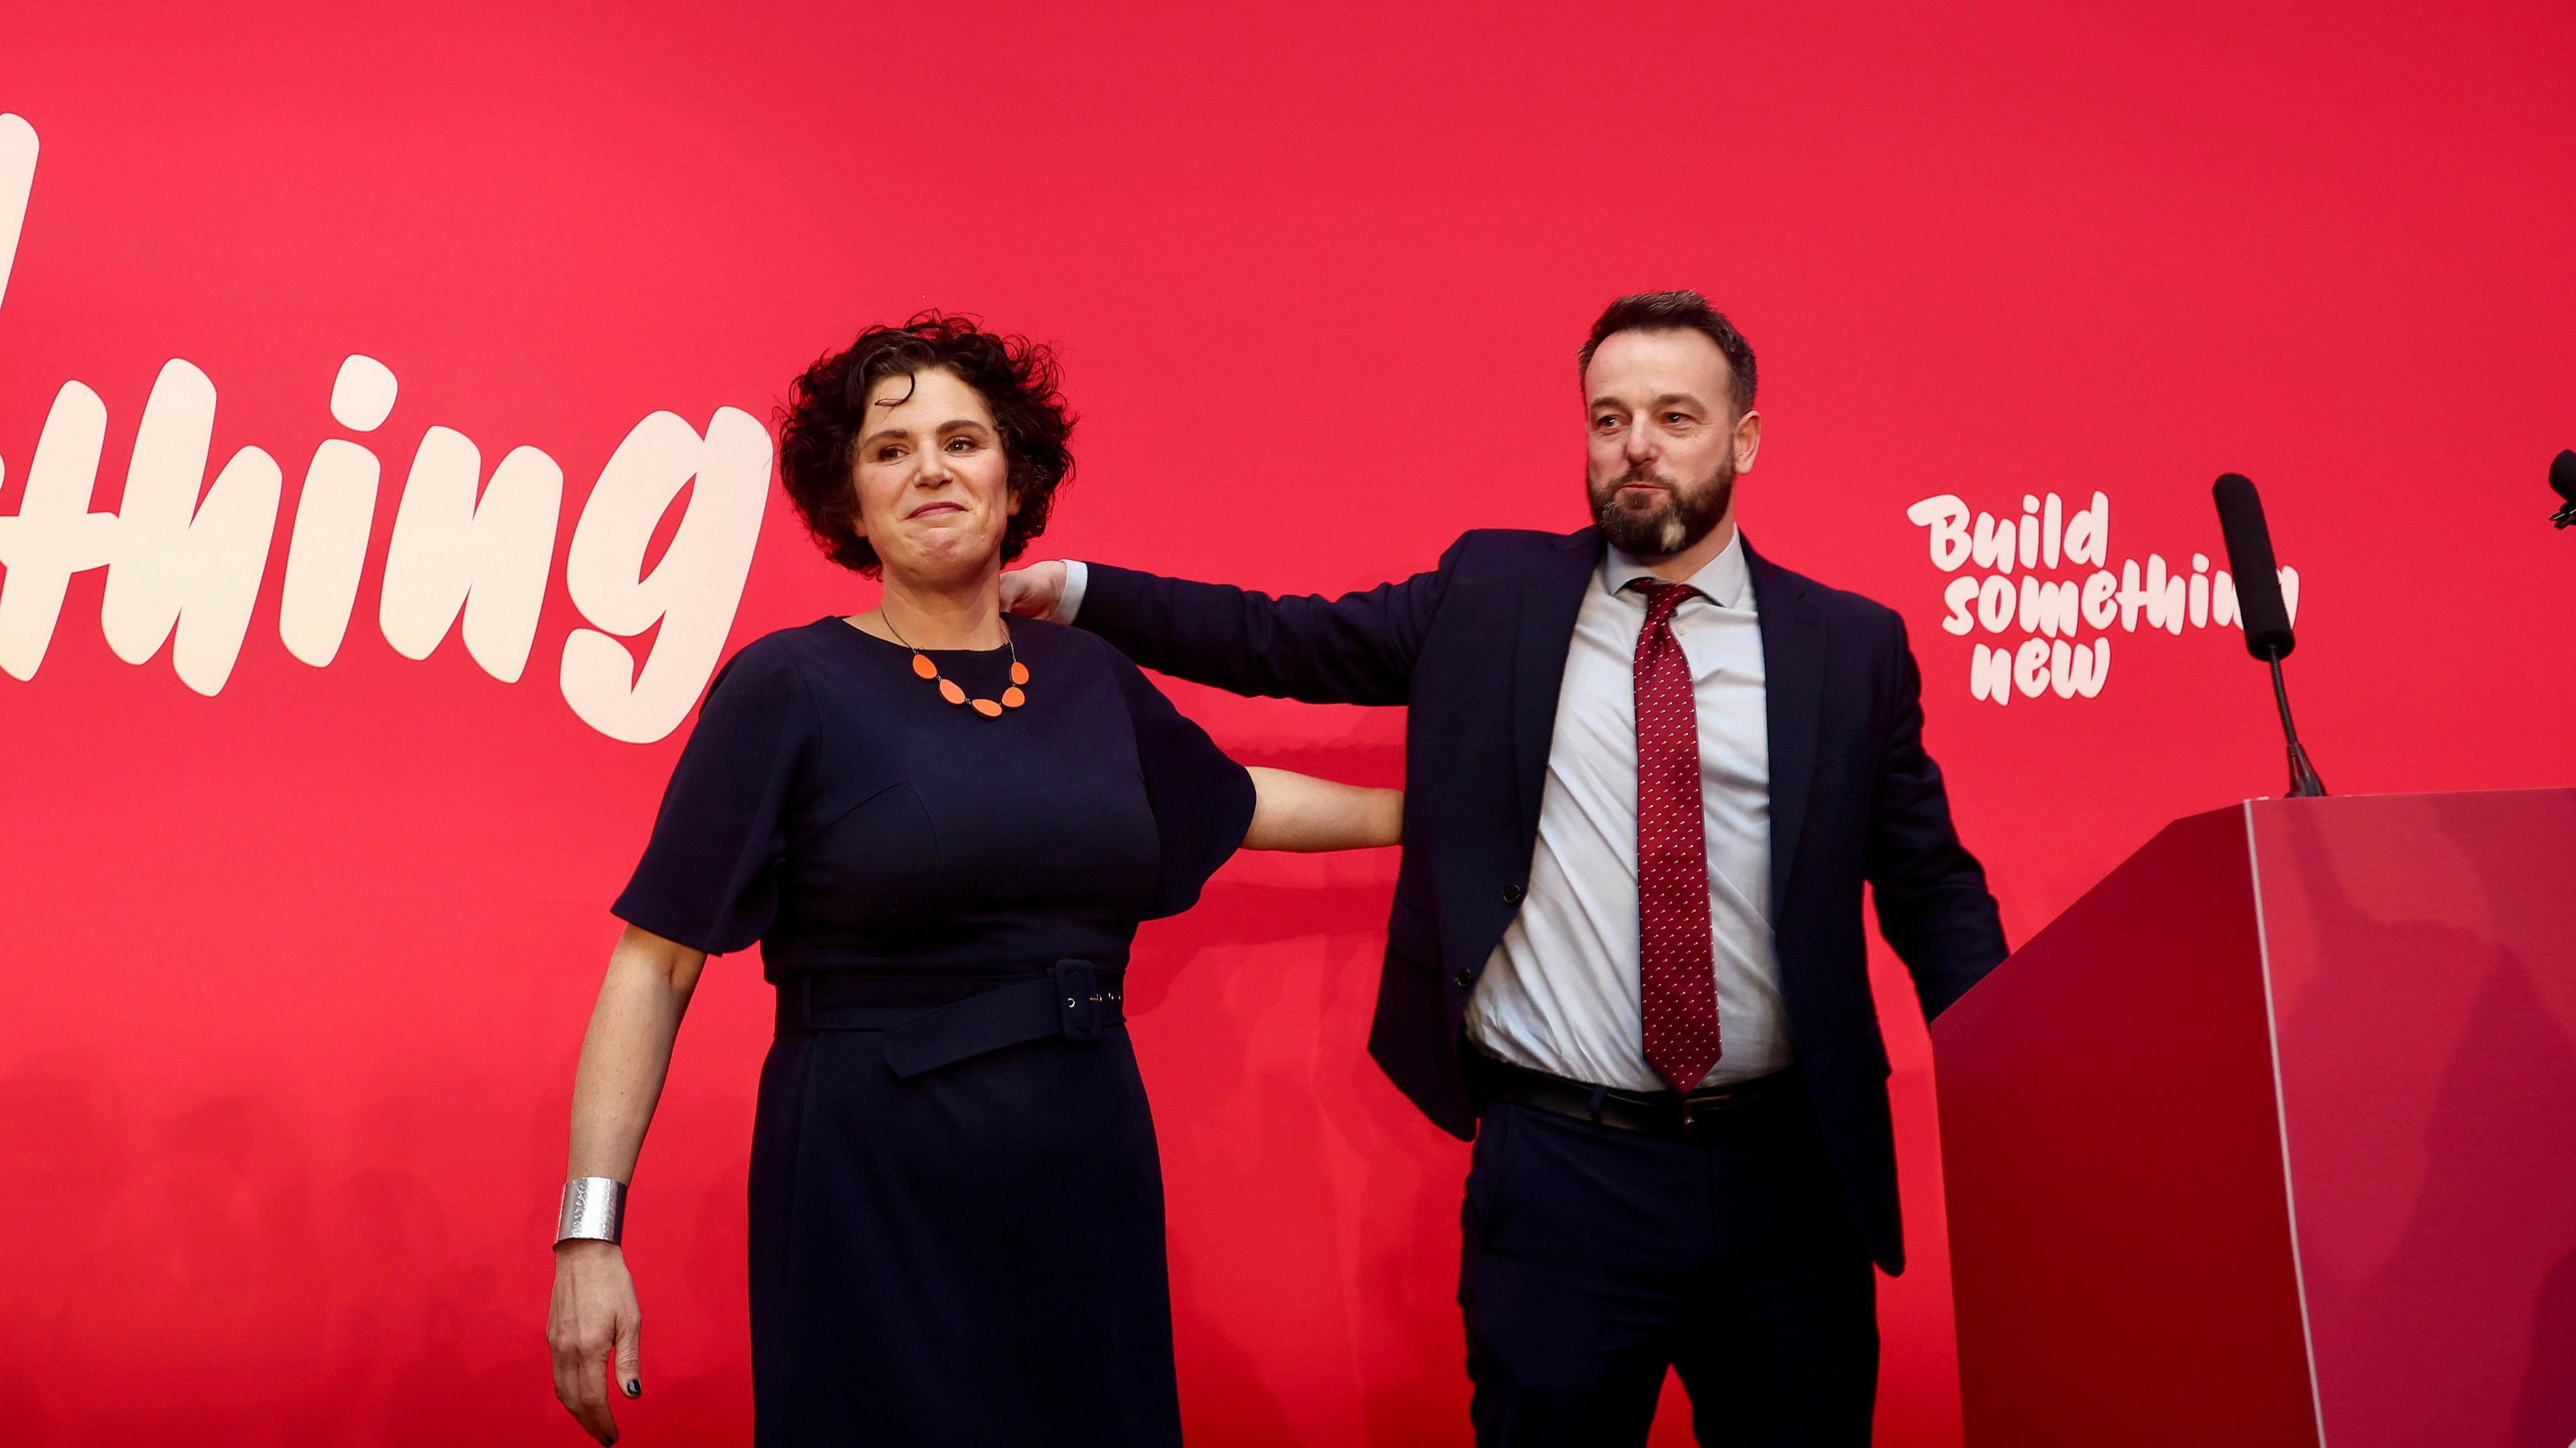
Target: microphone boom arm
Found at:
2304, 783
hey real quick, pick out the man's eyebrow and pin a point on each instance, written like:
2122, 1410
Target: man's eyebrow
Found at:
1666, 400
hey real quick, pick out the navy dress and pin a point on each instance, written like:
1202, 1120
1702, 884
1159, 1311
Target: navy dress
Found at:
956, 1205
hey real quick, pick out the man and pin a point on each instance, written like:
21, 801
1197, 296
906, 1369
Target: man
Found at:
1647, 774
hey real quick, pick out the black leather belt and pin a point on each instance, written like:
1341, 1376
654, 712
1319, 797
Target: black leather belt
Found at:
932, 1021
1694, 1117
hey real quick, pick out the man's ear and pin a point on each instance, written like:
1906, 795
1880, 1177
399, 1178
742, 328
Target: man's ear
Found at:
1748, 441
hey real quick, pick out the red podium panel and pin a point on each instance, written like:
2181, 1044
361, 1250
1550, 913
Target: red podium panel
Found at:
2271, 1138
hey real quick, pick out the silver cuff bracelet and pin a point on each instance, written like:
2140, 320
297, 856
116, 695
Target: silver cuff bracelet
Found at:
594, 1209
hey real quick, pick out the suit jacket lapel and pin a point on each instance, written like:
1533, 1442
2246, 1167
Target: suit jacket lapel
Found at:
1549, 603
1793, 687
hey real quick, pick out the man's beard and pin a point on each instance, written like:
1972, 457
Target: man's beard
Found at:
1677, 518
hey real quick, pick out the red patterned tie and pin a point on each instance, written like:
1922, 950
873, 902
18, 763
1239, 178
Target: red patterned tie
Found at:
1676, 977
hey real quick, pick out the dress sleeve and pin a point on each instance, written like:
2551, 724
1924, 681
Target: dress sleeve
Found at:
1202, 800
710, 874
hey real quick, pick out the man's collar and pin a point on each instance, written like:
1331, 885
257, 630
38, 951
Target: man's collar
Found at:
1724, 579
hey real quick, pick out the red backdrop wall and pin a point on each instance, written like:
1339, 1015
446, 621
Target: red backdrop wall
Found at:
295, 969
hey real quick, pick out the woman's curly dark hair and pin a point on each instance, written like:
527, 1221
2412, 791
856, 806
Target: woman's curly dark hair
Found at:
827, 407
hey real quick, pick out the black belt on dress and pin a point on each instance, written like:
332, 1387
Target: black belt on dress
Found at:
1692, 1117
932, 1021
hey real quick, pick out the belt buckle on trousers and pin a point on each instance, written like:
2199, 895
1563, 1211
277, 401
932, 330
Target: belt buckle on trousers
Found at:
1697, 1118
1703, 1111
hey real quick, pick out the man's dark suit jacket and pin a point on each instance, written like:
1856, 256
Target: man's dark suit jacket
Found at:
1477, 649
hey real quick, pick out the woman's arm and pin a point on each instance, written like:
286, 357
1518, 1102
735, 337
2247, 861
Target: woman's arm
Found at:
624, 1057
1301, 812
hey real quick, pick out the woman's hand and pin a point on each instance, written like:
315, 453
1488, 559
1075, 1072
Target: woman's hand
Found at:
592, 1327
1300, 812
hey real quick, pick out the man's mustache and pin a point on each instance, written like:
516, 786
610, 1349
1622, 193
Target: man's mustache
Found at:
1635, 479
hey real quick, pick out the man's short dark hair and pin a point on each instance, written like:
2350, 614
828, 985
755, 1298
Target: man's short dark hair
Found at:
1682, 311
827, 410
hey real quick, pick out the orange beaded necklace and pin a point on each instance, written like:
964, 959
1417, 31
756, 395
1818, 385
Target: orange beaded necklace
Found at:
1011, 698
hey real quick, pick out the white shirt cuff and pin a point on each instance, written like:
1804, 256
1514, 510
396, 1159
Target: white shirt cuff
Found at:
1076, 578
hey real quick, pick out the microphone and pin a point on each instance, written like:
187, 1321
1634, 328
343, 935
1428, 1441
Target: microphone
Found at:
2259, 604
2562, 476
2258, 579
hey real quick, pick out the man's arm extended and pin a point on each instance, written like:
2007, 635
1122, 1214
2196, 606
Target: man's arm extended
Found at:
1355, 649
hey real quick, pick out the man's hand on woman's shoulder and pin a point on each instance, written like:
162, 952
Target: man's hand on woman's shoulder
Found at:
1034, 591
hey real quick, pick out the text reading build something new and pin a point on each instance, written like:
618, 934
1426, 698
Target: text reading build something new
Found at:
2046, 576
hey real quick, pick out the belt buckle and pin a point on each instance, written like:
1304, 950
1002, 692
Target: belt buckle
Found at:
1085, 1010
1700, 1118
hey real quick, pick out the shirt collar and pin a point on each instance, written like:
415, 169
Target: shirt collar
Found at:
1724, 579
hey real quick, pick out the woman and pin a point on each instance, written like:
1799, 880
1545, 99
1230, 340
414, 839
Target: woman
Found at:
942, 827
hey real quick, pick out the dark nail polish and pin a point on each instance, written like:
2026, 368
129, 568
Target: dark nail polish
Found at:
634, 1387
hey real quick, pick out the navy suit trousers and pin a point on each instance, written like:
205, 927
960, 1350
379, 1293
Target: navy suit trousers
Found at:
1595, 1258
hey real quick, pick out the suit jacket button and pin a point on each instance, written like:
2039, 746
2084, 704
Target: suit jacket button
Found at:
1464, 979
1512, 894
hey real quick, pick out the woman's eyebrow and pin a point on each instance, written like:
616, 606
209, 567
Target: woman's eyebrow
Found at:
952, 425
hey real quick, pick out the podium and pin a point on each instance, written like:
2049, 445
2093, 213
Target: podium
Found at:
2270, 1139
